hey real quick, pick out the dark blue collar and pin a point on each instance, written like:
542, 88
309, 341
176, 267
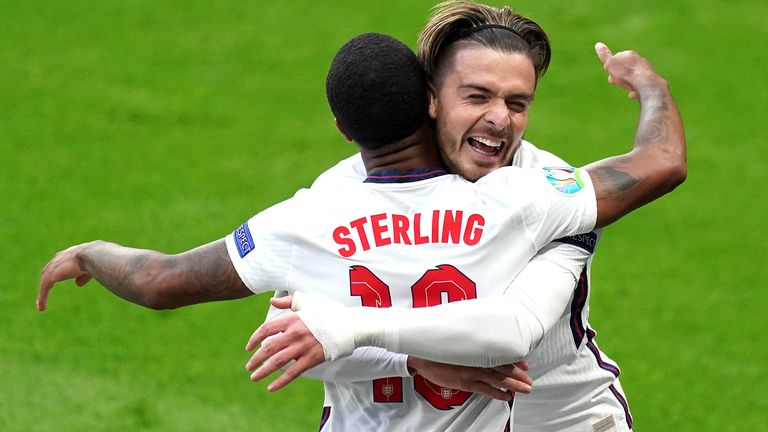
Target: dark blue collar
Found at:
405, 176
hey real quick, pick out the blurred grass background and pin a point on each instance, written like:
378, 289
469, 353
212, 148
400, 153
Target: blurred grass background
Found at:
165, 124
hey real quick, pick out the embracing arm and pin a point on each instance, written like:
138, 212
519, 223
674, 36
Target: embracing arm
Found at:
145, 277
657, 162
364, 364
493, 331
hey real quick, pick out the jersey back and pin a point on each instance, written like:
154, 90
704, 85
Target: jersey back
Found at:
411, 244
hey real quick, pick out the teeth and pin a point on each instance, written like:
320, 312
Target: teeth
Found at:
488, 142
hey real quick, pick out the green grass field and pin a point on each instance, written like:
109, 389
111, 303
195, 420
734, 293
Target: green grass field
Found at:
165, 124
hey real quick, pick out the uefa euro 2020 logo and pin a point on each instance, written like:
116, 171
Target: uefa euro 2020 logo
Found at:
565, 180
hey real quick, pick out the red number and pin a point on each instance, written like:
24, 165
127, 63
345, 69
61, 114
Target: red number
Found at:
427, 291
445, 279
372, 291
375, 293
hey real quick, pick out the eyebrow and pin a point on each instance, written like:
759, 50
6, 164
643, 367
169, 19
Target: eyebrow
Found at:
481, 88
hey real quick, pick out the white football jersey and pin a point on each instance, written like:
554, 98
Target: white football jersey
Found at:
576, 385
427, 239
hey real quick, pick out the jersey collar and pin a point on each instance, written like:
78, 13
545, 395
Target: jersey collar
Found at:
405, 176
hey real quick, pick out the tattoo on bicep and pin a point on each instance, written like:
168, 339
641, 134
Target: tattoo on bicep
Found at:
611, 180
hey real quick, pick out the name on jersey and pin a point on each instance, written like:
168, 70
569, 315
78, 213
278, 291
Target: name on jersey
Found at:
439, 226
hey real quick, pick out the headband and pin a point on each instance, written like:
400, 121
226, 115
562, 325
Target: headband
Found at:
468, 31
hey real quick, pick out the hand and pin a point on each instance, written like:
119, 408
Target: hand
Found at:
492, 382
64, 265
626, 69
289, 339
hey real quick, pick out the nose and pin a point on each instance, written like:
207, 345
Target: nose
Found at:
498, 114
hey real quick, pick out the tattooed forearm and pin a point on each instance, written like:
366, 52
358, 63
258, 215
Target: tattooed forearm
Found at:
653, 125
213, 277
116, 268
163, 281
656, 163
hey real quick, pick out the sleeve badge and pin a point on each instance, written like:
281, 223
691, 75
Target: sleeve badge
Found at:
566, 180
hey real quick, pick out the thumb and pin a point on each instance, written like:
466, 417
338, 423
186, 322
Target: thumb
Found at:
603, 52
282, 302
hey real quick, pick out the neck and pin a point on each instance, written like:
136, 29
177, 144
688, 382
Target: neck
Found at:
417, 151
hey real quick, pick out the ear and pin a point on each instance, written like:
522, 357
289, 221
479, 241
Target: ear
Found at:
432, 102
341, 129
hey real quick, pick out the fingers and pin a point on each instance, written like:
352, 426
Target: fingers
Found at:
42, 297
302, 364
264, 331
46, 284
271, 363
63, 266
516, 385
83, 279
522, 364
281, 302
603, 52
490, 391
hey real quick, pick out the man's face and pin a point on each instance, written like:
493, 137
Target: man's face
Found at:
481, 109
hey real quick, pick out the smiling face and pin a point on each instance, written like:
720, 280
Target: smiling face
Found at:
480, 104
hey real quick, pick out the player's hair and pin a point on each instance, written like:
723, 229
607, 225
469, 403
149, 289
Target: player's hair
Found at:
377, 90
488, 26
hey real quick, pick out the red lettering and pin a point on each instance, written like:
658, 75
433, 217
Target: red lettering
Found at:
340, 237
418, 238
400, 225
435, 225
358, 225
474, 231
452, 226
379, 230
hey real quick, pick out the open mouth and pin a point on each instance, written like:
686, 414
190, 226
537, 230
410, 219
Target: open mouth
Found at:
486, 146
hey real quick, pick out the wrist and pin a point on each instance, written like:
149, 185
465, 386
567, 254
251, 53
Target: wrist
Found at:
84, 251
413, 364
652, 86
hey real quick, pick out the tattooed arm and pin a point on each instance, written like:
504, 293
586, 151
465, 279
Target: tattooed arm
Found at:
657, 162
145, 277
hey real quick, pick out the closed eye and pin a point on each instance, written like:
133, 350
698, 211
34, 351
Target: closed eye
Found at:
477, 97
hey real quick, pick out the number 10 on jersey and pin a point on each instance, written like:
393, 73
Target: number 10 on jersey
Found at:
427, 291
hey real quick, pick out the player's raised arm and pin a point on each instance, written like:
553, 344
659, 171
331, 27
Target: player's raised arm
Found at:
145, 277
657, 162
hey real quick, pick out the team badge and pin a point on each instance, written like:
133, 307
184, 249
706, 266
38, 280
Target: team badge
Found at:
566, 179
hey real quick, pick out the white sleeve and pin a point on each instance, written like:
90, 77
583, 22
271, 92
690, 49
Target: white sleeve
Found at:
364, 364
482, 332
553, 201
261, 248
571, 204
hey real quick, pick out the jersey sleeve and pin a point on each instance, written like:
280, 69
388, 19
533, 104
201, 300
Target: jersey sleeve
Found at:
551, 202
566, 203
261, 248
492, 331
547, 282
